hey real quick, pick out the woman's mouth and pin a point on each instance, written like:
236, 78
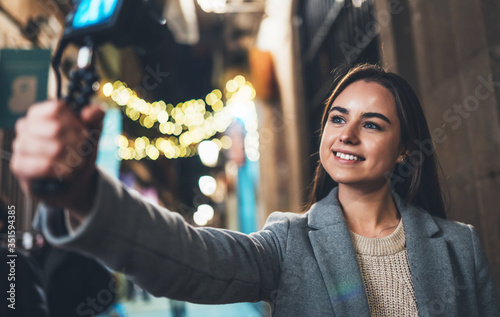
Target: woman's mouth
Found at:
348, 157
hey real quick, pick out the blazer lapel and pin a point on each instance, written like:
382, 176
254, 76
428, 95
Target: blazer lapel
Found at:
334, 252
429, 259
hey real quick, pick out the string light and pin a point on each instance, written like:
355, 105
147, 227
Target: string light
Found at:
240, 101
217, 6
184, 125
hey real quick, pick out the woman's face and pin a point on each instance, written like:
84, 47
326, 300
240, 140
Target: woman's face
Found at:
361, 140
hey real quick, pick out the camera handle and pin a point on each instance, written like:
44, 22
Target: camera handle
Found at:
80, 90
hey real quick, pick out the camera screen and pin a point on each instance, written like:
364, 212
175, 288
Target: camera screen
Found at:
93, 12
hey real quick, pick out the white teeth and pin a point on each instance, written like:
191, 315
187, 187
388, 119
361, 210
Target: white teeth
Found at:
347, 156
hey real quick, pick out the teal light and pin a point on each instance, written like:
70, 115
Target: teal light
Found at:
93, 12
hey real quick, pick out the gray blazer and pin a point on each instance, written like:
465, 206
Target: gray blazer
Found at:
303, 265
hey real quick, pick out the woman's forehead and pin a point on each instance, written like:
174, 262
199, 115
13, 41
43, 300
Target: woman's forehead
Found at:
362, 96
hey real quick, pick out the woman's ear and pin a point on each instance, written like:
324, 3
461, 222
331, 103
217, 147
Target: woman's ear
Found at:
403, 156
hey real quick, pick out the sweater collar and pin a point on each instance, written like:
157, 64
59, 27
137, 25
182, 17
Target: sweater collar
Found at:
328, 212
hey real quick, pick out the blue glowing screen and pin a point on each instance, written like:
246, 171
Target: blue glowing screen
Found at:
93, 12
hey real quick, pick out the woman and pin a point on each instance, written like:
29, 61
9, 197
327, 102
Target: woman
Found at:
373, 241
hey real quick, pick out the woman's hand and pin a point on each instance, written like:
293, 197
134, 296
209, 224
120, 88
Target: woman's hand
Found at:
52, 143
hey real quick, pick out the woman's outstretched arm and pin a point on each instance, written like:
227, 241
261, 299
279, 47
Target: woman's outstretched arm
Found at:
163, 253
166, 255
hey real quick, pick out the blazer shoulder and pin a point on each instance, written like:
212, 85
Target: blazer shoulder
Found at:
451, 226
290, 219
458, 233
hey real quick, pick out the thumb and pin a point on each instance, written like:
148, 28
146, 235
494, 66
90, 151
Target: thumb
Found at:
92, 117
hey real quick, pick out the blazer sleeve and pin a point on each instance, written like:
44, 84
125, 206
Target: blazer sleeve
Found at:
486, 293
169, 257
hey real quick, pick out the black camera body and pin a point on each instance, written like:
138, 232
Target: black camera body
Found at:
95, 22
126, 23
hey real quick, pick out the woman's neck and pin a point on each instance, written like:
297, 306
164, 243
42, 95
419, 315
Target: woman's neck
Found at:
369, 212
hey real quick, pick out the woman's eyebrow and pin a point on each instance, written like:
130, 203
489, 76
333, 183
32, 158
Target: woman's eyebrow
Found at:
339, 109
365, 115
375, 115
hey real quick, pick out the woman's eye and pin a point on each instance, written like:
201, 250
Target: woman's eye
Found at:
336, 119
371, 125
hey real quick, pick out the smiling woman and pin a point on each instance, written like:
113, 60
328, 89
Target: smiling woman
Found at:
376, 113
373, 241
361, 127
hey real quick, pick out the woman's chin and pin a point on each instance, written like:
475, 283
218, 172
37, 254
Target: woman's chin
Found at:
360, 183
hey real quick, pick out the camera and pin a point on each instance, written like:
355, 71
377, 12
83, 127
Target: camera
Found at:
120, 22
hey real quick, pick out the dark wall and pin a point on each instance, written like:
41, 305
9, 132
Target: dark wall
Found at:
450, 49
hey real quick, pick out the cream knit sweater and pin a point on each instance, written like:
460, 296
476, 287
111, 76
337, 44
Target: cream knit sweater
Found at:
386, 274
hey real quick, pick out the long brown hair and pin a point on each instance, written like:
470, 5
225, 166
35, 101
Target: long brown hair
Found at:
417, 181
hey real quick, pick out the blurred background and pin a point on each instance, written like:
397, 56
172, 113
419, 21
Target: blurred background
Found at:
219, 122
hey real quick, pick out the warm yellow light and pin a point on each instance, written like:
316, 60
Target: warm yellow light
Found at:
123, 97
218, 142
200, 105
240, 80
170, 127
160, 143
139, 143
253, 155
141, 106
207, 185
107, 89
155, 108
231, 86
179, 117
177, 129
121, 141
121, 153
152, 152
217, 93
357, 3
169, 109
253, 135
199, 220
245, 92
226, 142
163, 128
129, 153
114, 95
253, 94
209, 153
117, 84
183, 151
218, 106
148, 122
188, 123
137, 156
250, 126
134, 114
203, 214
211, 98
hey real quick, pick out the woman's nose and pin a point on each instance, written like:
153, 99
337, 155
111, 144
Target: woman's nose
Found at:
349, 135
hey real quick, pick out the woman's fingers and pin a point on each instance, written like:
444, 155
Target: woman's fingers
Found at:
52, 143
92, 117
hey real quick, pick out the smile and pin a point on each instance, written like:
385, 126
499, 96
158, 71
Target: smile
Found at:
348, 157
